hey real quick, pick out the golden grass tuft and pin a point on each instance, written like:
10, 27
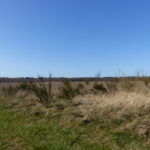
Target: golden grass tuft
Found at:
118, 103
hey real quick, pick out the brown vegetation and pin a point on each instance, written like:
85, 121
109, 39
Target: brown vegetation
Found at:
113, 114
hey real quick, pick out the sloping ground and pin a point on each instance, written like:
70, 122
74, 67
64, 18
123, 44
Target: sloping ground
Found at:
118, 121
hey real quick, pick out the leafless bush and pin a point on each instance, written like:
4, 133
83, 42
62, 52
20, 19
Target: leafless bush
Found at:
41, 90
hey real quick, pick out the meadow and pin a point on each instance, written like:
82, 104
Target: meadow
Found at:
75, 116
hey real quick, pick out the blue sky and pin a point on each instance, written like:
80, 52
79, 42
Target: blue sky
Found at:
74, 38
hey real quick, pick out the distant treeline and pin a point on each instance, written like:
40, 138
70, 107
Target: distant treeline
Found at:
80, 79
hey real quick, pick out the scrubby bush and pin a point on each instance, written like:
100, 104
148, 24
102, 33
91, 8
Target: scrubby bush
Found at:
68, 91
99, 87
24, 86
80, 88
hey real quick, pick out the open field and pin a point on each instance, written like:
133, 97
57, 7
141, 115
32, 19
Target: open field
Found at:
96, 116
74, 75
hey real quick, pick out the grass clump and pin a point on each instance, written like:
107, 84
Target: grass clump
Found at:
125, 138
146, 80
112, 87
126, 84
9, 91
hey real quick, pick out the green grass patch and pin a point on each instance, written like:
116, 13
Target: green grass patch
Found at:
23, 131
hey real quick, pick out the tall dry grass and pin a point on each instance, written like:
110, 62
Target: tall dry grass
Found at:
118, 103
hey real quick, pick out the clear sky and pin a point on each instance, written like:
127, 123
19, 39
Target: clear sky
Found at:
74, 38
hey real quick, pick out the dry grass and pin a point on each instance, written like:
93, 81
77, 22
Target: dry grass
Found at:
120, 103
115, 120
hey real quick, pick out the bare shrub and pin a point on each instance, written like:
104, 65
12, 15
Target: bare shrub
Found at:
41, 90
